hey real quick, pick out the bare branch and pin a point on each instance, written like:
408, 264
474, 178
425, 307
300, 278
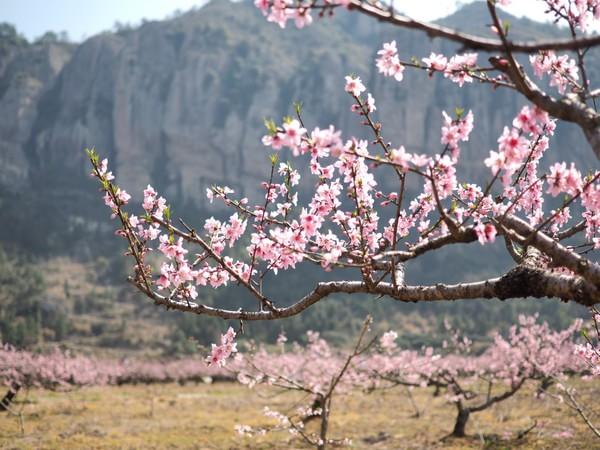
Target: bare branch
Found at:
498, 398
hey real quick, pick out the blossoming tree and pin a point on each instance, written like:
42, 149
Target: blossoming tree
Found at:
56, 370
366, 233
316, 371
474, 383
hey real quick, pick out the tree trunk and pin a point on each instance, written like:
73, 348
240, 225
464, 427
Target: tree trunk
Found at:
417, 413
461, 422
324, 423
544, 385
9, 396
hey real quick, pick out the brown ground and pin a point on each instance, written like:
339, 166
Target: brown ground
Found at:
204, 416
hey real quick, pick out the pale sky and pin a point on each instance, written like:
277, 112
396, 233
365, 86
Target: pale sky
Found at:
84, 18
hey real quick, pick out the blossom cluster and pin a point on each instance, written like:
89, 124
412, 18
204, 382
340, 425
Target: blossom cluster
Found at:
562, 70
589, 352
315, 368
530, 350
53, 371
224, 350
341, 222
280, 11
579, 13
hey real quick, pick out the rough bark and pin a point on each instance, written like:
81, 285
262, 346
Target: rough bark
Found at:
461, 421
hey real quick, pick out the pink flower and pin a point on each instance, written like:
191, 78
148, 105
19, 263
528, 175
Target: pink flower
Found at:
556, 179
456, 130
420, 160
389, 49
210, 195
134, 221
235, 229
149, 198
388, 62
354, 86
470, 192
302, 17
108, 201
279, 13
401, 158
562, 69
514, 146
292, 134
388, 340
102, 170
263, 5
370, 103
573, 183
485, 232
310, 223
459, 67
436, 62
224, 350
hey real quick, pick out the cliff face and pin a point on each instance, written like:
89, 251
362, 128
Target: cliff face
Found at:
26, 73
181, 103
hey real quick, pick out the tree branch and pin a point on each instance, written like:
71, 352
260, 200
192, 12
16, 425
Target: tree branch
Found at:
569, 108
520, 282
561, 256
497, 398
470, 41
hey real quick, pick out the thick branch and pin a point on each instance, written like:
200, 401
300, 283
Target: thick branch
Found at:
520, 282
561, 256
470, 41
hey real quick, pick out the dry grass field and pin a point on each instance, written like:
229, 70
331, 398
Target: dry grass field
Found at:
204, 416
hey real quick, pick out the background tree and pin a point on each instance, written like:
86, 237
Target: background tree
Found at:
531, 351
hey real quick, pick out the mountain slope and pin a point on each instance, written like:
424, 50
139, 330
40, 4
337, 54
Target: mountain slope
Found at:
180, 104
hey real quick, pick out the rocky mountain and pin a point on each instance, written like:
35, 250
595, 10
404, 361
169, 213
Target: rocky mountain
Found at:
27, 71
180, 104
